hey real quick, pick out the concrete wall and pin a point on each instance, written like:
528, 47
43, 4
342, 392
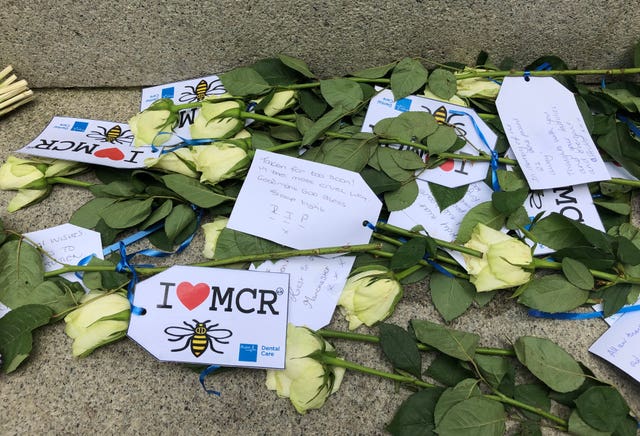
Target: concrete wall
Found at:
69, 43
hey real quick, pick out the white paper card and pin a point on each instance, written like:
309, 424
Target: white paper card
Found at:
4, 310
620, 344
89, 141
547, 133
616, 170
186, 91
440, 224
452, 173
213, 316
304, 204
68, 244
315, 286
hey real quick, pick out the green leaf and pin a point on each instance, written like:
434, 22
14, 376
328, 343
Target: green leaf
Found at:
451, 296
483, 213
244, 81
614, 297
602, 407
414, 417
126, 213
88, 214
622, 147
442, 140
407, 77
408, 254
477, 416
578, 427
402, 197
455, 343
535, 395
275, 73
443, 83
408, 126
447, 370
159, 214
549, 363
507, 202
116, 188
626, 94
285, 133
350, 154
552, 293
446, 196
15, 333
323, 124
400, 348
296, 64
58, 295
21, 271
378, 181
341, 92
577, 273
232, 243
558, 232
636, 55
179, 218
311, 104
390, 167
621, 208
374, 72
104, 280
518, 218
464, 390
628, 252
193, 191
493, 368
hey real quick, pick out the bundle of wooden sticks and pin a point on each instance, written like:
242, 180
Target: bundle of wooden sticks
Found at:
13, 92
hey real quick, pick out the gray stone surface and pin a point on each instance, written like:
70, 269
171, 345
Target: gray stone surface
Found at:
121, 389
128, 43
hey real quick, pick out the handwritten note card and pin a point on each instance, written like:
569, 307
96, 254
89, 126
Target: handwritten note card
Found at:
547, 133
315, 285
90, 141
440, 224
67, 244
304, 204
452, 173
620, 344
186, 91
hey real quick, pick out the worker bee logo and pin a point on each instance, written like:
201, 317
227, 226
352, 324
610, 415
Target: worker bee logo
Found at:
443, 118
113, 135
198, 336
201, 90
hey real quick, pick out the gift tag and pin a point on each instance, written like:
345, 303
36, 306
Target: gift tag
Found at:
620, 344
304, 204
213, 316
315, 286
440, 224
452, 173
186, 91
89, 141
547, 133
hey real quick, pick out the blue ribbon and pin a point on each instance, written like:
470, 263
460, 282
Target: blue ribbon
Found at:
630, 124
205, 372
527, 75
184, 142
579, 316
494, 154
545, 66
131, 239
124, 266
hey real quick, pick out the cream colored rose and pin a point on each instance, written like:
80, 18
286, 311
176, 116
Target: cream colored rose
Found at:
212, 231
18, 173
179, 161
280, 101
219, 161
477, 87
207, 123
26, 197
147, 125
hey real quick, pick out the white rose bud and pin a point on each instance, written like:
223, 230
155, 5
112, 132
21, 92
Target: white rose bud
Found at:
208, 125
146, 125
179, 161
212, 231
477, 87
219, 161
18, 173
26, 197
280, 101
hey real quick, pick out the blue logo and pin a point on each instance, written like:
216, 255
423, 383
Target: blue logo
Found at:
168, 92
79, 126
403, 105
248, 353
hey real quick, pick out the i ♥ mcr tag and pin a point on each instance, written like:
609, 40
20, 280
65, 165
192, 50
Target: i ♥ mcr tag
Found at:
89, 141
209, 316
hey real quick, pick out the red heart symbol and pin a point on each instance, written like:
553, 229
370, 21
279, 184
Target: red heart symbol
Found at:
110, 153
448, 165
192, 296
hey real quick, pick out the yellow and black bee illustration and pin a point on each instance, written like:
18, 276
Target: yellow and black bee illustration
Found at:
442, 117
199, 336
201, 90
114, 134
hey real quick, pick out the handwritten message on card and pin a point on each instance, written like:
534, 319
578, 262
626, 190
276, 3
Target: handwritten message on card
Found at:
620, 344
547, 133
452, 173
304, 204
315, 285
68, 244
440, 224
186, 91
90, 141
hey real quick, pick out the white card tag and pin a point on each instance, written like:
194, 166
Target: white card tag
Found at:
620, 344
304, 204
89, 141
67, 244
452, 173
186, 91
547, 133
315, 286
213, 316
440, 224
4, 310
616, 170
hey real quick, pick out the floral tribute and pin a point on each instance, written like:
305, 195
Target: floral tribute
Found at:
279, 105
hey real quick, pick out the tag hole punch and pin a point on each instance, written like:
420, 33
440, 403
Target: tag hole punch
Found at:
527, 76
